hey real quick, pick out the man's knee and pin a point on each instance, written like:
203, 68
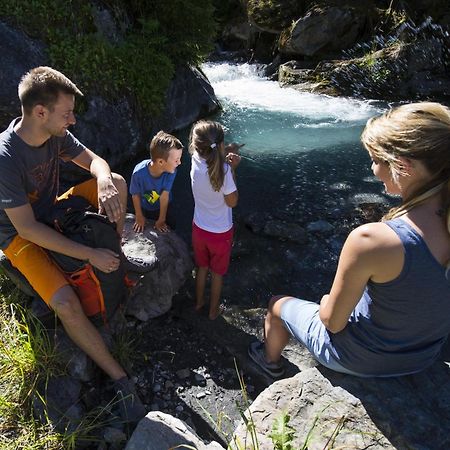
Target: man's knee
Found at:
66, 305
276, 302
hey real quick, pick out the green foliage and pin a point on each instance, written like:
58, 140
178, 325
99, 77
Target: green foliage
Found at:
153, 39
26, 355
282, 434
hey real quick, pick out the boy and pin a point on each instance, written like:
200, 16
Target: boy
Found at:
152, 181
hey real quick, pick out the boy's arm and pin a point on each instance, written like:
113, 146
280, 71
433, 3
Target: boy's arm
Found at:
139, 223
160, 224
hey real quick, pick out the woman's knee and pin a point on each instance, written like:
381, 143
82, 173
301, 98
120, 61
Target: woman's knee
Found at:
276, 301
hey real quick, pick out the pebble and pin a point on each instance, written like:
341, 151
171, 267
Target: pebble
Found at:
201, 395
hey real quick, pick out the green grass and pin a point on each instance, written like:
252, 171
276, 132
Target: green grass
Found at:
26, 355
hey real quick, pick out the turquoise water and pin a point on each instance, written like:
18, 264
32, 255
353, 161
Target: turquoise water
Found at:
302, 153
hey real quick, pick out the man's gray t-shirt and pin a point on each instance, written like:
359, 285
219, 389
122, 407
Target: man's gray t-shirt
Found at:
30, 175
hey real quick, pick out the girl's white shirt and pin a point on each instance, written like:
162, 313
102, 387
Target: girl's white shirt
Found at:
211, 213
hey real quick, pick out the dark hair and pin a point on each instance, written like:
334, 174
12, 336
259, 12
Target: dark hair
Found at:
42, 86
206, 139
161, 145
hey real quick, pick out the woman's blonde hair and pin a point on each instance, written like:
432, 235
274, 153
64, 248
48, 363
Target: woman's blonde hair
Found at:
206, 138
419, 131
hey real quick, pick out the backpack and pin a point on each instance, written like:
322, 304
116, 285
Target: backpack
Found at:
100, 293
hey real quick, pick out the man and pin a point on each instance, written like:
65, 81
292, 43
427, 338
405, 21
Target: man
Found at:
30, 150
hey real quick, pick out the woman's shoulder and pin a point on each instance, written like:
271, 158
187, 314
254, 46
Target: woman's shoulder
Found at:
374, 236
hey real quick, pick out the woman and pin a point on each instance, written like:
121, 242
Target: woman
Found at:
388, 311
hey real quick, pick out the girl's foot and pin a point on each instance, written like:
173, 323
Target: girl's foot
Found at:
214, 313
199, 306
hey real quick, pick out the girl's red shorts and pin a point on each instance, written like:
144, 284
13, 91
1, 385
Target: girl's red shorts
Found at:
212, 250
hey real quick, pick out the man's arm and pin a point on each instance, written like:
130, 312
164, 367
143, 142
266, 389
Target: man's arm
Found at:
139, 223
108, 195
30, 229
160, 224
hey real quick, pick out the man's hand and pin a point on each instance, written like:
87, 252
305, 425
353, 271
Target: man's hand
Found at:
139, 223
104, 259
161, 225
108, 199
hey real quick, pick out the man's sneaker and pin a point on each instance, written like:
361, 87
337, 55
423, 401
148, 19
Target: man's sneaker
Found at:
138, 265
258, 355
131, 408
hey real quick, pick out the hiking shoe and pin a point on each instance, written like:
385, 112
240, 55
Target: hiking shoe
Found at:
257, 353
131, 408
139, 265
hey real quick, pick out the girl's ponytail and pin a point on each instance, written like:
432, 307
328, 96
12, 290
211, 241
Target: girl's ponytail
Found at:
206, 138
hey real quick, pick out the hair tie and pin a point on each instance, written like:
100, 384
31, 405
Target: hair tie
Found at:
213, 145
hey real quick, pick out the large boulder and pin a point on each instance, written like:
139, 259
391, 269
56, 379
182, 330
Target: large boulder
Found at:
19, 53
160, 431
325, 407
153, 294
323, 31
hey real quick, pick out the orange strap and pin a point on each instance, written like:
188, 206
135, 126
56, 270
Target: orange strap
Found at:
89, 291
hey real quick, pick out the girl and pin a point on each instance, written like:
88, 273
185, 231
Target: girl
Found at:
215, 193
388, 311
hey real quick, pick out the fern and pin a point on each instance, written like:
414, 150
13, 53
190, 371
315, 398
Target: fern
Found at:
282, 434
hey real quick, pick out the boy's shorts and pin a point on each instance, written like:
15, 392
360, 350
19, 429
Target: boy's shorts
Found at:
212, 250
33, 261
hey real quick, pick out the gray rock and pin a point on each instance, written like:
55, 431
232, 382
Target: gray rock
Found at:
114, 436
321, 226
401, 412
59, 403
159, 431
19, 54
283, 230
153, 294
323, 30
77, 363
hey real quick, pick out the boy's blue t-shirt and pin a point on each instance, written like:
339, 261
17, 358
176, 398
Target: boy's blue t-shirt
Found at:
148, 187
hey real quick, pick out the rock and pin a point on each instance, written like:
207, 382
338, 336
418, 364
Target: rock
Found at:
323, 30
78, 365
19, 54
283, 230
401, 412
114, 436
189, 97
320, 226
153, 294
59, 403
159, 431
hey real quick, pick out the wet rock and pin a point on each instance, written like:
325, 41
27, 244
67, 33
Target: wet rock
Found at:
320, 226
159, 431
153, 294
283, 230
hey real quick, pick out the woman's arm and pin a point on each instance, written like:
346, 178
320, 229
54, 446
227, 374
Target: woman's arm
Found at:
372, 251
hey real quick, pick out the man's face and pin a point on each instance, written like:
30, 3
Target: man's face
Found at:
60, 116
173, 160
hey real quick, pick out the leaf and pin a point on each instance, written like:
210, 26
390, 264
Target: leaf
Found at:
282, 434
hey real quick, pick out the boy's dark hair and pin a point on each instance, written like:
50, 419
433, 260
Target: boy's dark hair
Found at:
161, 145
42, 86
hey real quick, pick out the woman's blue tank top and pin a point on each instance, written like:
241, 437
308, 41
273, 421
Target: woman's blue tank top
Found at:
399, 327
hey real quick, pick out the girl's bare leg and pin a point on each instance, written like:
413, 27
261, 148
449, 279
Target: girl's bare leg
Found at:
200, 283
216, 290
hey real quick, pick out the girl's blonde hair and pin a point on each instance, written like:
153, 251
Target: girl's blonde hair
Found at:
418, 131
206, 138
